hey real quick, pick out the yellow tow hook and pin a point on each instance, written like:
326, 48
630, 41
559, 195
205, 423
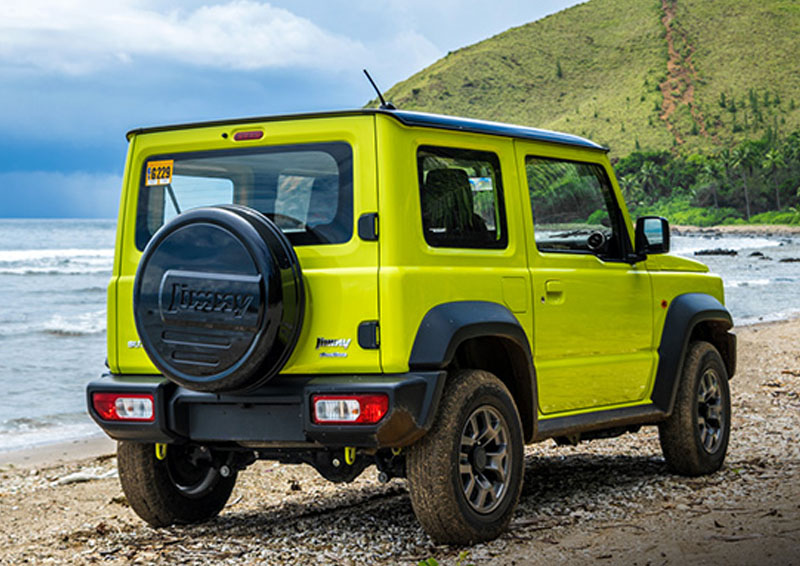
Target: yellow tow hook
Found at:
396, 451
349, 455
161, 451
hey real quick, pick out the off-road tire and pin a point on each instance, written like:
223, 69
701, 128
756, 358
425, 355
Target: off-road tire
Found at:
153, 494
435, 480
681, 435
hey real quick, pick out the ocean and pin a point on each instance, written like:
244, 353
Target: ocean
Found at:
53, 279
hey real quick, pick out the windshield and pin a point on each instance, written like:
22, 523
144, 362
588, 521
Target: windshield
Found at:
307, 190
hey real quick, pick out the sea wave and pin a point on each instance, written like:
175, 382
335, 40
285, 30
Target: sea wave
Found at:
16, 434
748, 283
687, 245
81, 325
56, 261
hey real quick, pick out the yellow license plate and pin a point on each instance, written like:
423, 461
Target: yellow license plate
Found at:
158, 173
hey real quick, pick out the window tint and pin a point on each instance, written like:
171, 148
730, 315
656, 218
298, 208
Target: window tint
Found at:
307, 190
193, 192
574, 209
461, 196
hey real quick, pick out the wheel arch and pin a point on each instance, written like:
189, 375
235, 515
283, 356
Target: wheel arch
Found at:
691, 317
480, 335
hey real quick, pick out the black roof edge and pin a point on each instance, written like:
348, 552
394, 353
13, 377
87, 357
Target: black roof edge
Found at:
408, 118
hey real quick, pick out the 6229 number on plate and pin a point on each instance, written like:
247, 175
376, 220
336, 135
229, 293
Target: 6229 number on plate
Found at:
158, 173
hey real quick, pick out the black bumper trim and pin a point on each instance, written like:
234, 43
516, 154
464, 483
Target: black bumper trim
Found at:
278, 413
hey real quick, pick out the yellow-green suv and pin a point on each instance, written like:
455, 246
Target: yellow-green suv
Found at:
420, 292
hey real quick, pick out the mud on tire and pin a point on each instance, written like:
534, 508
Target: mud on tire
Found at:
694, 439
465, 475
181, 488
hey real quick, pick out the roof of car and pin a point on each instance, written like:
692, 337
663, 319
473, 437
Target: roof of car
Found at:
408, 118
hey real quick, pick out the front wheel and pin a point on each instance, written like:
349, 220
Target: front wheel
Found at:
694, 438
182, 487
465, 474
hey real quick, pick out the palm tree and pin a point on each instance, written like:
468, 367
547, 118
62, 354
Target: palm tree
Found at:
649, 180
773, 163
710, 173
743, 159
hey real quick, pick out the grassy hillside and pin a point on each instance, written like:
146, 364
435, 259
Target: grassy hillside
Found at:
632, 74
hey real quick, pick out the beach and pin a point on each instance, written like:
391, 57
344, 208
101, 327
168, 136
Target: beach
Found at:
611, 501
740, 229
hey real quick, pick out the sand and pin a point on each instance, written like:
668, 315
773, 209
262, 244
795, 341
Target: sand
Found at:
61, 453
610, 501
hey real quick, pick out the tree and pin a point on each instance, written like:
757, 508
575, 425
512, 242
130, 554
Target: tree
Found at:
710, 173
649, 179
744, 159
773, 163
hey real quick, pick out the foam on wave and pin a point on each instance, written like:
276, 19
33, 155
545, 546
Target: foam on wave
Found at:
56, 261
81, 325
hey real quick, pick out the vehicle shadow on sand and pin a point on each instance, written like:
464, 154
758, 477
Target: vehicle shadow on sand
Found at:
554, 487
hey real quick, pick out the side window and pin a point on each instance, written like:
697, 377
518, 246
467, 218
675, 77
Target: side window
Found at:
461, 194
574, 209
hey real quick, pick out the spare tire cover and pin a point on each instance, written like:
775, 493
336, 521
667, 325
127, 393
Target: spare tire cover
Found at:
218, 299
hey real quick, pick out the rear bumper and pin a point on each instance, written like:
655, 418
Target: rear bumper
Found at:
278, 414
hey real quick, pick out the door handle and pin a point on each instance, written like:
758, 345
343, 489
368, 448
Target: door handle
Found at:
554, 291
554, 287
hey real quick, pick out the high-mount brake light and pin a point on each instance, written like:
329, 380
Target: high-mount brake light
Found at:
249, 135
124, 407
349, 409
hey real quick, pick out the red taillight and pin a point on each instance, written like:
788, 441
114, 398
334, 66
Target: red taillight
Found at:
124, 407
349, 409
249, 135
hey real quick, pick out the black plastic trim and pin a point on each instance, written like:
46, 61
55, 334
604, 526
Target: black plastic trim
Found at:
642, 246
368, 335
685, 312
368, 227
413, 399
446, 326
160, 388
276, 414
599, 420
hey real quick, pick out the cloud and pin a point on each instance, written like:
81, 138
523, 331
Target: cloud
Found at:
84, 36
45, 194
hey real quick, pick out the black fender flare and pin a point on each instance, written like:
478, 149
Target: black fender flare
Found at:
447, 326
685, 313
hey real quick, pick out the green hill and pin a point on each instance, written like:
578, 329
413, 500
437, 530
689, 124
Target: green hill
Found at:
694, 75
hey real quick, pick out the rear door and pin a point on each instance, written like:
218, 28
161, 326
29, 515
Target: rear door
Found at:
313, 177
593, 344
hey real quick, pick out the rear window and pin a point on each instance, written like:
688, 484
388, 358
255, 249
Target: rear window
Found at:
461, 195
307, 190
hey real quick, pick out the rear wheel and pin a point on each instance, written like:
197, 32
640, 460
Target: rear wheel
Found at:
694, 438
465, 474
183, 487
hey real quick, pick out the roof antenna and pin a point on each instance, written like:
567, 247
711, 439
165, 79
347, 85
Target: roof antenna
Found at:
384, 105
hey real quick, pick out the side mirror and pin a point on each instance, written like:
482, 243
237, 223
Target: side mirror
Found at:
652, 235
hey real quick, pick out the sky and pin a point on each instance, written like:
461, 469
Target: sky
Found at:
75, 75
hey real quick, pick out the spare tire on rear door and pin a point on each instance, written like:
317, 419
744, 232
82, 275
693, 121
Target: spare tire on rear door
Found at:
218, 299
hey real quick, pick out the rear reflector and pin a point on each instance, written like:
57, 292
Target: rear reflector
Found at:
123, 406
349, 409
